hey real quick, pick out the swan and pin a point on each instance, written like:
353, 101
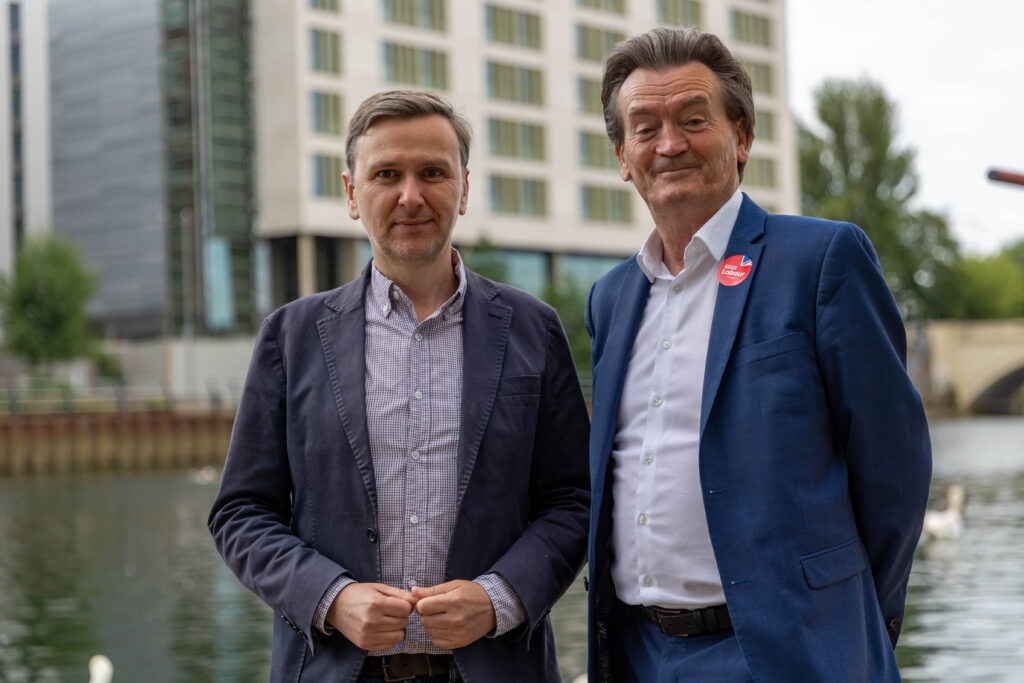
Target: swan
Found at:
948, 520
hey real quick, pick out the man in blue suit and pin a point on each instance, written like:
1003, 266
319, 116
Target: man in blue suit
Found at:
406, 484
760, 461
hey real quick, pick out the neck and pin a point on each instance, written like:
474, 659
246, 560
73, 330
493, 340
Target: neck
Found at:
678, 224
427, 283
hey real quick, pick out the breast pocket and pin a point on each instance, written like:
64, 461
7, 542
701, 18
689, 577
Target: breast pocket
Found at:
522, 385
776, 346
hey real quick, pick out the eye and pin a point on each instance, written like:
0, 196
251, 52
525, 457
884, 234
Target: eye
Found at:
385, 174
433, 173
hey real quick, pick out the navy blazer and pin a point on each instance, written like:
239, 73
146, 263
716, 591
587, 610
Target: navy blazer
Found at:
815, 459
297, 505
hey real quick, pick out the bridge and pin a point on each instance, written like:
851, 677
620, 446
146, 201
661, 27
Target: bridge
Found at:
972, 366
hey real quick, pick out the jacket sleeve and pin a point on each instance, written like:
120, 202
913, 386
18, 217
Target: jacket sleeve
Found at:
877, 413
251, 518
541, 565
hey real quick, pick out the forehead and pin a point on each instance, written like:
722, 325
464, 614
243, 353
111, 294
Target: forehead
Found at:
646, 88
398, 139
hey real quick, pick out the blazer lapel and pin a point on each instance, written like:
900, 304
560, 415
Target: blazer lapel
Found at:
342, 336
622, 328
731, 302
485, 334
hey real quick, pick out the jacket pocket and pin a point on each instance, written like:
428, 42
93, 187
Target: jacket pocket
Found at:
834, 564
522, 385
776, 346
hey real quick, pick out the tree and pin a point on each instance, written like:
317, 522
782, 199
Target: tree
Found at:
569, 298
856, 172
43, 304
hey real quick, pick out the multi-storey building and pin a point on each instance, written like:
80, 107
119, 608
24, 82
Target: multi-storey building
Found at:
544, 184
152, 150
24, 126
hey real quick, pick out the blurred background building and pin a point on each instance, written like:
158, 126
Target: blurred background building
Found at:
198, 145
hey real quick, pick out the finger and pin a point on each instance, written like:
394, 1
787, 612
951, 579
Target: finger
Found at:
393, 592
430, 591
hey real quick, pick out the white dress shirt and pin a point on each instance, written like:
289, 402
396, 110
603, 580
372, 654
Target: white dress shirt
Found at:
663, 553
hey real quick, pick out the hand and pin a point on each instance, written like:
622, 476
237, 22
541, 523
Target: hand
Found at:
371, 615
455, 613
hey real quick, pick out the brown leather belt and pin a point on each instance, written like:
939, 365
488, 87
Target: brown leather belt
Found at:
402, 667
686, 622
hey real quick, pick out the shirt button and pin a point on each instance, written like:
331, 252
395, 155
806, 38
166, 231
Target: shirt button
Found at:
417, 394
412, 583
648, 458
415, 455
677, 288
657, 401
642, 519
414, 519
387, 309
418, 336
394, 294
666, 344
648, 581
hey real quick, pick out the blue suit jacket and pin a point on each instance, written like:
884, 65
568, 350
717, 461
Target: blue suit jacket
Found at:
297, 505
814, 452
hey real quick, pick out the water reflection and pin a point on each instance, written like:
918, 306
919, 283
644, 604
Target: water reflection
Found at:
123, 565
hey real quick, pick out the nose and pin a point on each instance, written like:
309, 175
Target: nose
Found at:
410, 197
671, 142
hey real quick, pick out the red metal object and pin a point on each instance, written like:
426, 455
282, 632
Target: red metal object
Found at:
1006, 176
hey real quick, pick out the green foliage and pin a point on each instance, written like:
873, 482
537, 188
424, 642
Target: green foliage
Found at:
856, 172
569, 298
987, 287
484, 258
43, 304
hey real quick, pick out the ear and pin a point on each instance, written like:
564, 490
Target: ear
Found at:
350, 193
465, 193
623, 168
742, 140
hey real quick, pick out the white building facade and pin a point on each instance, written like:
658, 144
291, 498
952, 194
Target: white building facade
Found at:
544, 185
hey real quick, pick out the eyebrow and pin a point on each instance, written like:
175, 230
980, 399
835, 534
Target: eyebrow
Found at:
641, 109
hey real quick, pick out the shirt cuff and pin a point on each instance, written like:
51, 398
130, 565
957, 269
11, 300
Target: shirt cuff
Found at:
508, 611
320, 618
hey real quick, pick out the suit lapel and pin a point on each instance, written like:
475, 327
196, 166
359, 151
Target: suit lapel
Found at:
623, 324
731, 302
342, 336
484, 337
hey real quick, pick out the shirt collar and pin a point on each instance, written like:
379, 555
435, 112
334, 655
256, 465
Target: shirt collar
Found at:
713, 235
382, 289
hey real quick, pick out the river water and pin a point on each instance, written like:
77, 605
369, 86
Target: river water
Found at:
123, 565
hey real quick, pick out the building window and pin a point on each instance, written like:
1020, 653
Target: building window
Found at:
327, 176
516, 139
512, 27
514, 83
429, 14
761, 75
751, 28
525, 196
760, 172
680, 12
596, 151
765, 128
589, 96
326, 113
594, 43
617, 6
415, 66
326, 51
607, 204
329, 5
586, 268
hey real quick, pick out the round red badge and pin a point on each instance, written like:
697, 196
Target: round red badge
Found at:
734, 270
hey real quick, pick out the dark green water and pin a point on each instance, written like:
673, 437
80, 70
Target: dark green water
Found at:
123, 565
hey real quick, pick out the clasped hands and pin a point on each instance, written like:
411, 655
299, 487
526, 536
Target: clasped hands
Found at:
373, 616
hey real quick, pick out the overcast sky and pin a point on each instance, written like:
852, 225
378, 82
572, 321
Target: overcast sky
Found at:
956, 72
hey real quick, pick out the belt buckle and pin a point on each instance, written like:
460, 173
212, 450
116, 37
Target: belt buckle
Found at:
386, 672
679, 625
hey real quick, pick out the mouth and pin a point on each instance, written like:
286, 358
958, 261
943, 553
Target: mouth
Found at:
413, 223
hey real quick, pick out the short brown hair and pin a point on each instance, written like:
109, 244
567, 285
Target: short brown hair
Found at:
663, 48
405, 104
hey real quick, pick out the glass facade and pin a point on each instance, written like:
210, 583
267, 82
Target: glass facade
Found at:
589, 92
512, 27
751, 28
516, 139
515, 83
327, 170
524, 196
594, 44
208, 151
680, 12
606, 204
415, 66
760, 75
616, 6
325, 51
428, 14
325, 110
596, 151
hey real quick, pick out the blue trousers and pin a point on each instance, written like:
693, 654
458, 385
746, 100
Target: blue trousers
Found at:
641, 653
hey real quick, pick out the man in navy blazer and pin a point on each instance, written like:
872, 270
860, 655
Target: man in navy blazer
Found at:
406, 484
760, 460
